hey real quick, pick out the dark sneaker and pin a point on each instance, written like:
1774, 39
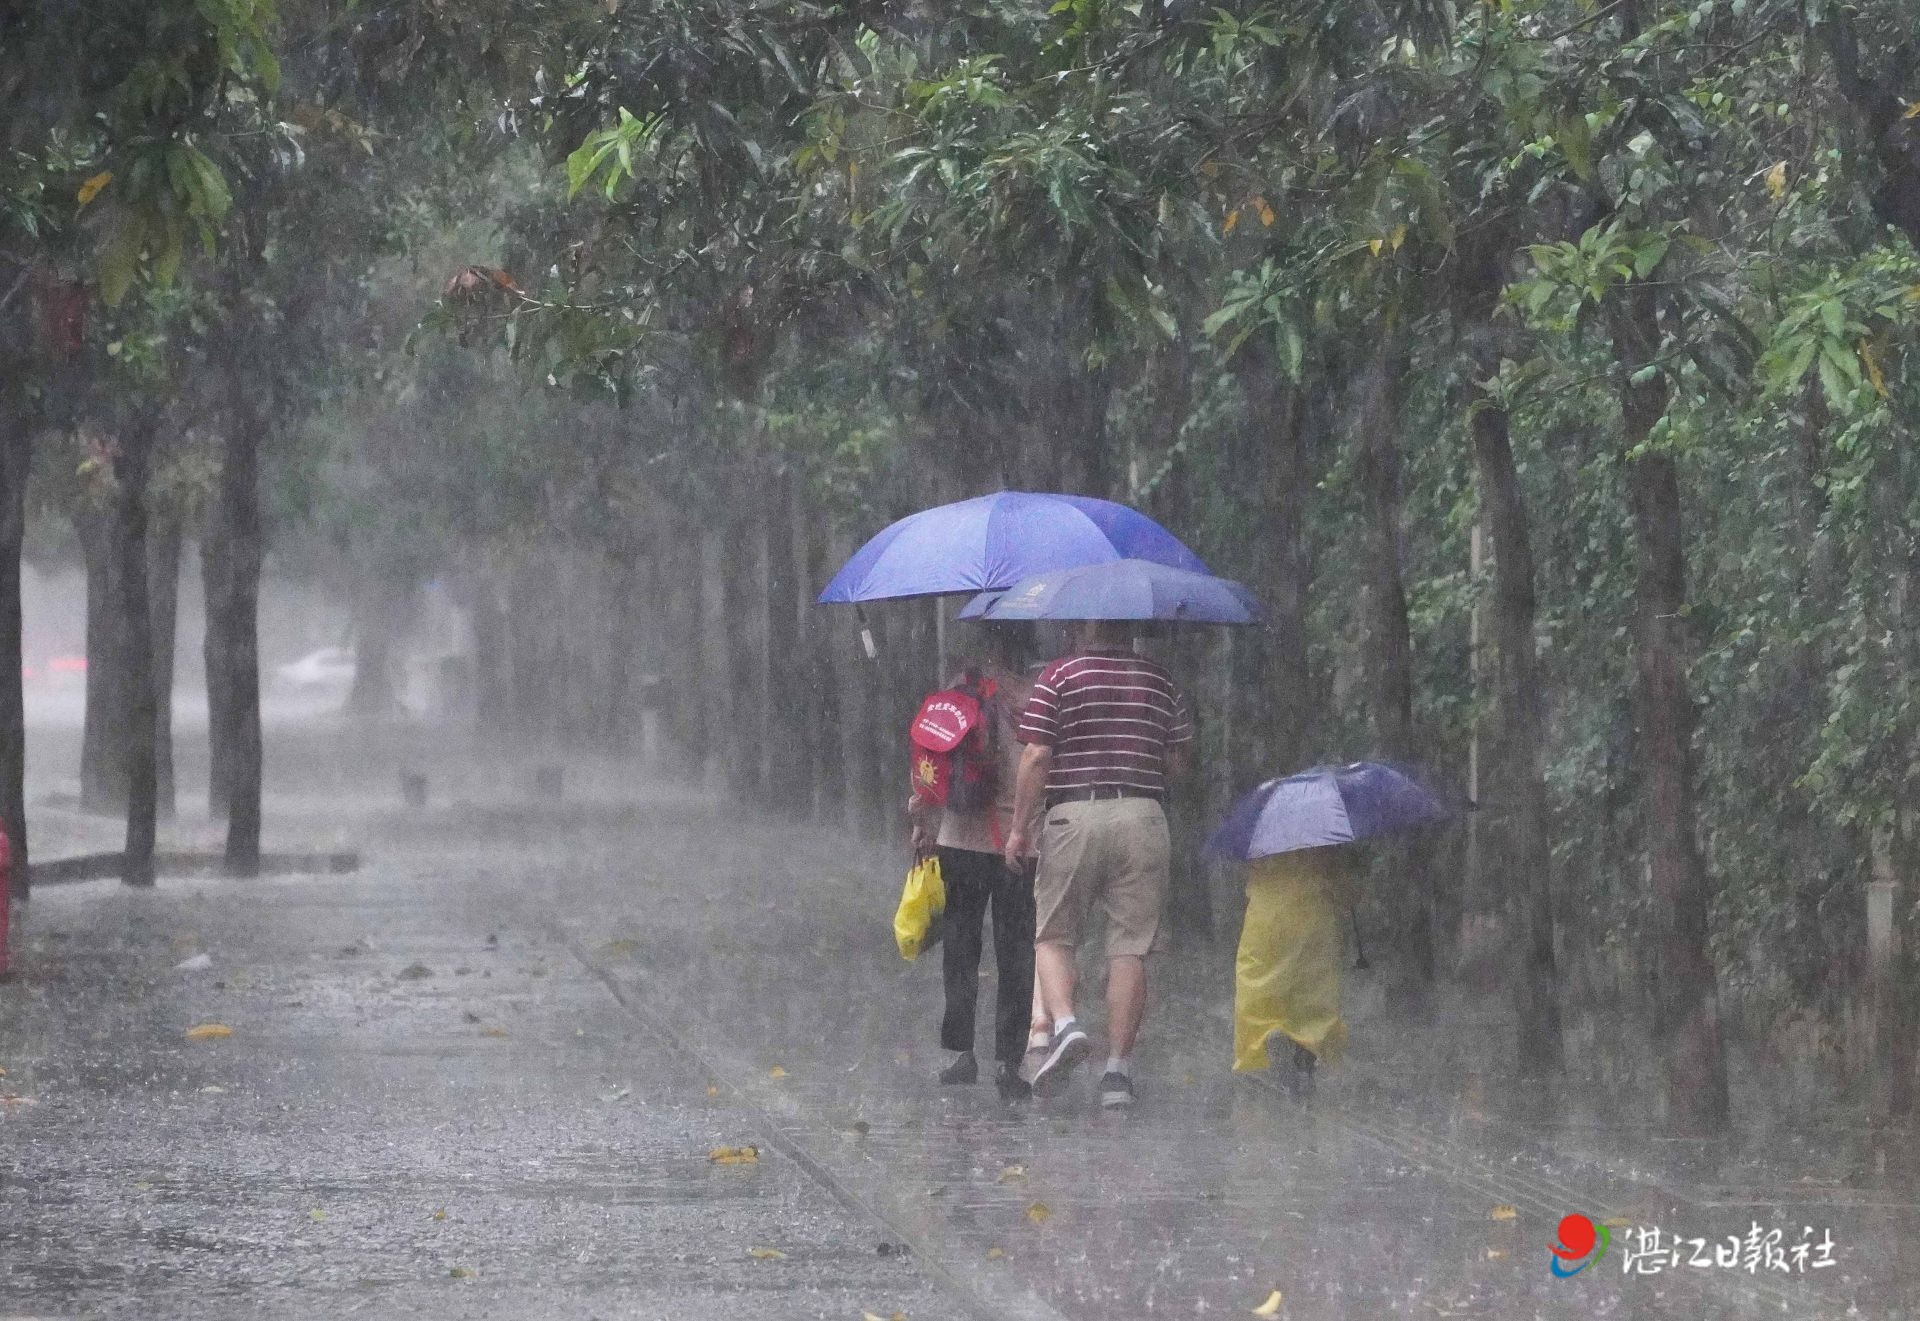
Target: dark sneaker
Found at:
1068, 1049
1297, 1075
1116, 1091
1012, 1086
964, 1069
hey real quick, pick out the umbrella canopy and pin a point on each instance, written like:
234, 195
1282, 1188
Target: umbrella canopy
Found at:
1326, 805
1120, 589
993, 541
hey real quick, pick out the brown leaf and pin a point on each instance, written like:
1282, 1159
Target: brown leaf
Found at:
1503, 1213
1039, 1213
766, 1254
1271, 1307
208, 1031
747, 1155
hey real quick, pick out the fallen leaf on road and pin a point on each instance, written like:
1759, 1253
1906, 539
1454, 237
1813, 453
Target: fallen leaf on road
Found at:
766, 1254
440, 1214
207, 1031
493, 1032
3, 1073
776, 1072
144, 1186
414, 972
462, 1273
748, 1155
316, 1214
1012, 1172
1039, 1213
1496, 1254
1618, 1222
712, 1090
1271, 1307
1502, 1213
860, 1127
213, 1091
10, 1099
994, 1254
198, 963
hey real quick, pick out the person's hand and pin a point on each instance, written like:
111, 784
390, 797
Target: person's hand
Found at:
922, 837
1015, 854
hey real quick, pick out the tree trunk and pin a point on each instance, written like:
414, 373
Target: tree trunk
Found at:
375, 620
103, 750
717, 695
1686, 997
1279, 698
1514, 840
163, 573
137, 700
742, 625
16, 455
232, 645
215, 587
826, 775
1389, 637
789, 789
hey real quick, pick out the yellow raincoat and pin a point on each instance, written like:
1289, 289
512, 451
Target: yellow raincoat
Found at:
1287, 974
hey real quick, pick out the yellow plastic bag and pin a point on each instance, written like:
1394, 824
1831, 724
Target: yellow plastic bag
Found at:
924, 898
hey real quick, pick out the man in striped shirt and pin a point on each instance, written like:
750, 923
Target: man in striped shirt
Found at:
1102, 730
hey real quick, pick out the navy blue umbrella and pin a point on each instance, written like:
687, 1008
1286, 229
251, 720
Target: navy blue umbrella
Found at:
1120, 589
1326, 805
993, 541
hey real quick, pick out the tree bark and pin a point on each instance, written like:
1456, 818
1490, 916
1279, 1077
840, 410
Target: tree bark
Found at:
1389, 637
375, 620
232, 645
742, 623
215, 587
1276, 426
1514, 840
789, 789
16, 455
103, 752
1686, 996
163, 569
132, 470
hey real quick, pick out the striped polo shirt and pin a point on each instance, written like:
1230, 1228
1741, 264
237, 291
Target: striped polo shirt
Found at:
1109, 717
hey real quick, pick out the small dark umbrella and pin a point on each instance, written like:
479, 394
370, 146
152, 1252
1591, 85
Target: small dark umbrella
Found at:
1326, 805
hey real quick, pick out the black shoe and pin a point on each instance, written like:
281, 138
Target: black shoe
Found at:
1297, 1077
1068, 1049
1116, 1091
1012, 1086
962, 1071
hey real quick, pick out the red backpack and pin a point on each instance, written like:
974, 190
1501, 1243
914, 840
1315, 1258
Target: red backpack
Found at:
956, 749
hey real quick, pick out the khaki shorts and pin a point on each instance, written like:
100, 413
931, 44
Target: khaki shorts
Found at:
1111, 849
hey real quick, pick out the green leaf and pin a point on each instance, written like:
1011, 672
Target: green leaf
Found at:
1577, 143
117, 261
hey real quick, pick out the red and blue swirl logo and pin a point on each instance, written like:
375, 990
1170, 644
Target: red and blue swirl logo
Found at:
1580, 1241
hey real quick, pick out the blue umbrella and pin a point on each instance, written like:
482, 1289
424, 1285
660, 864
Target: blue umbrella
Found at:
1120, 589
1326, 805
994, 541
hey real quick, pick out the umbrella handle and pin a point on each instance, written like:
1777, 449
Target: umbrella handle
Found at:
866, 634
1360, 948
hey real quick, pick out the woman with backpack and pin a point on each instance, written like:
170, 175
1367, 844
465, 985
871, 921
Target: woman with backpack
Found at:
964, 761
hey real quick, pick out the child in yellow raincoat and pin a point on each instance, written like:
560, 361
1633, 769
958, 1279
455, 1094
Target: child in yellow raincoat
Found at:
1287, 974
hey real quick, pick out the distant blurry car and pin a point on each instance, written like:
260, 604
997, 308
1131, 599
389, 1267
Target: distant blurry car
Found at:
327, 668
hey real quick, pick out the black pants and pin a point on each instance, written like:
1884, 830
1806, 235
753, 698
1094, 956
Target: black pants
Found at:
974, 881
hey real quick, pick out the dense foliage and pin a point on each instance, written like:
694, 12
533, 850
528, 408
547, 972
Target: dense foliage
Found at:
1625, 295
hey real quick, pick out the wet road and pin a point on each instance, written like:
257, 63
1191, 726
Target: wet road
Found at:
484, 1076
